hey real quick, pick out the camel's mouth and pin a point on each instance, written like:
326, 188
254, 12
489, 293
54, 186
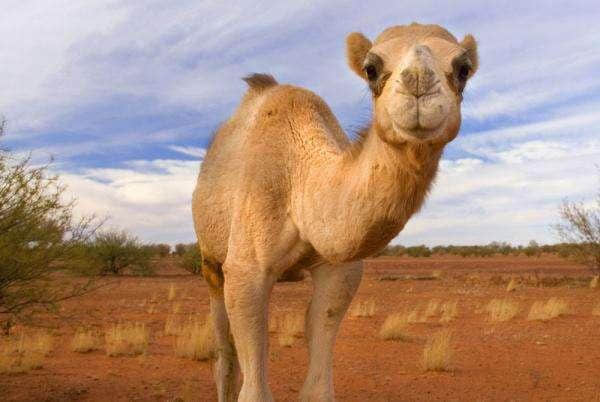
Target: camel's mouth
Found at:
419, 118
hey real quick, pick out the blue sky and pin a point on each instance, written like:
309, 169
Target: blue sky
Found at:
125, 96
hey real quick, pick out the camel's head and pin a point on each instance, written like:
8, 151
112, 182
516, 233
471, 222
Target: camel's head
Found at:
417, 74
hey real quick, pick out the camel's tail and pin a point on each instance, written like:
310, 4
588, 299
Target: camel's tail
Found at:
260, 82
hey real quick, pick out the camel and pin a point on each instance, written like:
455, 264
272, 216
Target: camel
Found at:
282, 188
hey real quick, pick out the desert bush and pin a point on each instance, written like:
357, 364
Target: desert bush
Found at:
85, 340
127, 339
159, 249
546, 311
437, 353
363, 309
113, 252
594, 282
179, 249
196, 341
39, 237
418, 251
289, 327
580, 227
502, 309
191, 258
394, 328
24, 353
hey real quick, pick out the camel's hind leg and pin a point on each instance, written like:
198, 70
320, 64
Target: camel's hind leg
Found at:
226, 366
334, 288
227, 369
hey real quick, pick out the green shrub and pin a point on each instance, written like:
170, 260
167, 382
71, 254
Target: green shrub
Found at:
38, 238
113, 252
191, 259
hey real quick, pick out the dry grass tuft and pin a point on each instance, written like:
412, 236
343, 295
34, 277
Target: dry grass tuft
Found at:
438, 352
546, 311
85, 341
596, 310
594, 282
363, 309
437, 274
127, 339
290, 327
197, 340
172, 292
431, 309
502, 309
394, 327
449, 311
512, 285
173, 326
18, 355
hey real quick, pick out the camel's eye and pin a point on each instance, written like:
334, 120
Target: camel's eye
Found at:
371, 72
463, 72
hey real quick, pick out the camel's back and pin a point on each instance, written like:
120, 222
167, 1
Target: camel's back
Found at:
265, 140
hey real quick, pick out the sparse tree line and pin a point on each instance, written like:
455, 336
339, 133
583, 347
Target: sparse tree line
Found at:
533, 249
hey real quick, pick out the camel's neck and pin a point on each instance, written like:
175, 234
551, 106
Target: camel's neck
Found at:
370, 194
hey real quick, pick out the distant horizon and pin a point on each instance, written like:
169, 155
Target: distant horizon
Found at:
126, 97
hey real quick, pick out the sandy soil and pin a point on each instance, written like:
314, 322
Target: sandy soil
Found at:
515, 360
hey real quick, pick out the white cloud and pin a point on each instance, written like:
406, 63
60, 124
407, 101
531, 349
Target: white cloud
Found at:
196, 152
152, 199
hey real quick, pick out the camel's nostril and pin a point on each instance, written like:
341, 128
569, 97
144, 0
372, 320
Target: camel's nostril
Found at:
418, 80
410, 80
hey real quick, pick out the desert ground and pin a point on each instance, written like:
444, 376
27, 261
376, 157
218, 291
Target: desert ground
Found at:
515, 359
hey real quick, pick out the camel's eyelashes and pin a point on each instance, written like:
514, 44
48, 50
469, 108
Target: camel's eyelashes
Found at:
371, 72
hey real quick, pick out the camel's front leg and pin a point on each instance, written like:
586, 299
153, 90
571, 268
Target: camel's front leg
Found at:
334, 288
246, 299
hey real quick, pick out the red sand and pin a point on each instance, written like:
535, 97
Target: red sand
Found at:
514, 360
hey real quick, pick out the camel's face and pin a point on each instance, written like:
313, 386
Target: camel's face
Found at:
417, 75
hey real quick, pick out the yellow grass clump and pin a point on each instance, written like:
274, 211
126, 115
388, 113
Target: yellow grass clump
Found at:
24, 353
437, 274
512, 285
594, 282
437, 354
290, 327
449, 311
85, 341
197, 341
172, 292
172, 325
363, 309
431, 309
127, 339
502, 309
546, 311
394, 327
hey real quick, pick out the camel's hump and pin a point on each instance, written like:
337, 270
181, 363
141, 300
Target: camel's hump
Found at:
260, 82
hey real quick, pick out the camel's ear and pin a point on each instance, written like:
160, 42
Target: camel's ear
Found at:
357, 47
470, 45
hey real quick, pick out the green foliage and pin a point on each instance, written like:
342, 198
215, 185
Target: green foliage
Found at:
113, 252
38, 238
191, 258
159, 249
180, 249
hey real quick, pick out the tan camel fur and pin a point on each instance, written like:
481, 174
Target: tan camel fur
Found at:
283, 188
